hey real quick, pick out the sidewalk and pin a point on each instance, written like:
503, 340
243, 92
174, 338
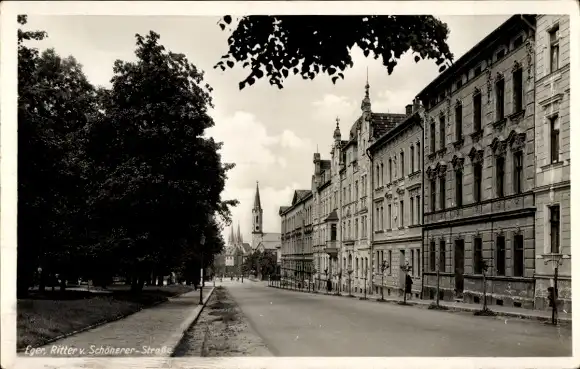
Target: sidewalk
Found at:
505, 311
155, 331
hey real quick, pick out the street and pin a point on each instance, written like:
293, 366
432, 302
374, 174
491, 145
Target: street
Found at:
301, 324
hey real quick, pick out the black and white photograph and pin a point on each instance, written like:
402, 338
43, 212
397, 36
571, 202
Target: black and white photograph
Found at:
216, 185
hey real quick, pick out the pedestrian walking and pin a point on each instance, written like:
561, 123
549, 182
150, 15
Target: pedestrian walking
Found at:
408, 286
328, 286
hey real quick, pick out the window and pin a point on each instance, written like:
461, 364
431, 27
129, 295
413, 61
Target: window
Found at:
458, 122
500, 174
518, 90
555, 229
477, 256
382, 175
442, 256
442, 132
418, 156
477, 112
418, 262
382, 219
412, 262
402, 164
518, 171
477, 182
519, 255
500, 54
442, 190
459, 188
433, 195
477, 71
518, 42
500, 255
432, 138
356, 228
554, 49
390, 215
412, 162
379, 261
356, 190
499, 99
412, 211
432, 256
390, 170
418, 210
459, 84
402, 213
554, 139
390, 260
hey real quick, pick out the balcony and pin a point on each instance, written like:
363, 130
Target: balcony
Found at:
331, 248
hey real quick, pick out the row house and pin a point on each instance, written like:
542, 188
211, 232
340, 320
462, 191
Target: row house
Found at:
552, 149
296, 236
397, 197
479, 163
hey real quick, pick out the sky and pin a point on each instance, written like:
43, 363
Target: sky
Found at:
270, 134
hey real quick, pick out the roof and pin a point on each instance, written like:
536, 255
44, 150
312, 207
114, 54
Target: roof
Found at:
270, 245
332, 216
300, 195
271, 237
246, 247
410, 119
498, 33
383, 122
257, 204
283, 209
325, 164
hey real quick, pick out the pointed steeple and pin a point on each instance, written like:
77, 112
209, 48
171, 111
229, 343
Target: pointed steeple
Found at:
240, 240
257, 204
336, 134
231, 239
366, 103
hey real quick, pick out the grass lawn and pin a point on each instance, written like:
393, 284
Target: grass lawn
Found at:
42, 317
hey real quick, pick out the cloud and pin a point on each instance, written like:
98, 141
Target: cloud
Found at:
330, 106
288, 139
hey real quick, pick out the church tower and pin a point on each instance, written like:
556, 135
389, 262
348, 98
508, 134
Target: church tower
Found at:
257, 214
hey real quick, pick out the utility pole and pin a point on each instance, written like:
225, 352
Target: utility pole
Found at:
201, 242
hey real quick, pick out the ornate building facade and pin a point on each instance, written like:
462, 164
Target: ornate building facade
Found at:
397, 198
553, 224
479, 164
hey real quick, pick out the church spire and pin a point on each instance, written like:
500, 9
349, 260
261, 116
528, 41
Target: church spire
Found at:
240, 240
231, 239
366, 103
257, 204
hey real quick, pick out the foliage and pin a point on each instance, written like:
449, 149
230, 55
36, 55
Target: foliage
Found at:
121, 180
274, 47
261, 262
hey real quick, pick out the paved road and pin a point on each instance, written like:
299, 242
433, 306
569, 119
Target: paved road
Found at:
300, 324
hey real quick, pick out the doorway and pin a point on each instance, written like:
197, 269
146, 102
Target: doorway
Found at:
402, 262
459, 267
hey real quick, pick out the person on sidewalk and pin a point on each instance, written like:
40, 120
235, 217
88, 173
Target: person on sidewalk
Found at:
328, 286
408, 286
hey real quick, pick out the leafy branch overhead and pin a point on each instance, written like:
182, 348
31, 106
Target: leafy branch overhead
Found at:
274, 47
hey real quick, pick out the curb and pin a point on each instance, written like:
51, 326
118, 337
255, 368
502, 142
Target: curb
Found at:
422, 305
190, 320
96, 325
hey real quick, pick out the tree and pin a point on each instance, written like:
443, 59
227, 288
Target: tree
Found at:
276, 46
56, 105
263, 263
159, 181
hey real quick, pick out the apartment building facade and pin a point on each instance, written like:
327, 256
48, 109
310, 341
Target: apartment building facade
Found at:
479, 163
296, 237
397, 198
552, 147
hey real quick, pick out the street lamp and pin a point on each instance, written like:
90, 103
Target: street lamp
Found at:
201, 242
349, 271
384, 267
556, 260
405, 268
314, 287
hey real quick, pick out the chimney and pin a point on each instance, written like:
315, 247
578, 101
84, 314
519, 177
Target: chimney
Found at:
409, 109
416, 105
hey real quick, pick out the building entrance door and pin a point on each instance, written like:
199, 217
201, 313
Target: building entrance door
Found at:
459, 267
